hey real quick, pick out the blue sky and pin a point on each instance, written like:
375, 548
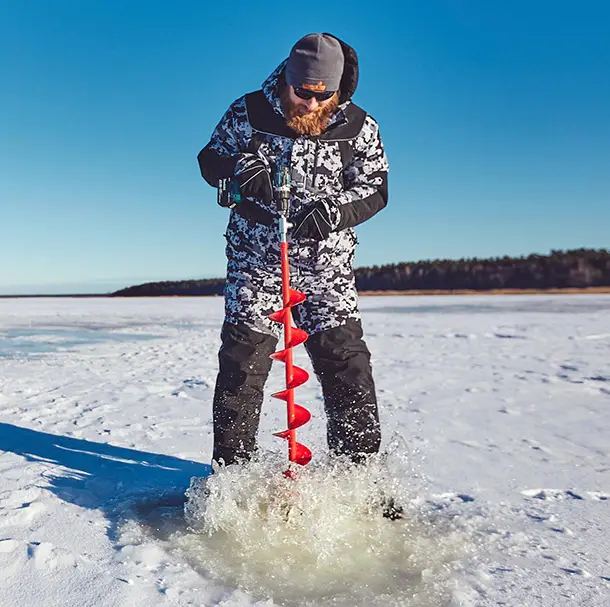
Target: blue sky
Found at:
494, 116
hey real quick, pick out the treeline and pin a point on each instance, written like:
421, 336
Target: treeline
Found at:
577, 268
561, 269
207, 286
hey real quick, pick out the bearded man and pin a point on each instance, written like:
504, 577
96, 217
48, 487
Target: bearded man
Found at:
303, 119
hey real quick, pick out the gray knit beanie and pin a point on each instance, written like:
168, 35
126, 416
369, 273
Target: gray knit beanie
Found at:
316, 63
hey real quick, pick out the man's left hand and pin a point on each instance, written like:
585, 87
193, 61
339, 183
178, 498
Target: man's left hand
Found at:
316, 221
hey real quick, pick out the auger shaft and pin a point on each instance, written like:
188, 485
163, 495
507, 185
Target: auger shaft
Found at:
293, 336
288, 340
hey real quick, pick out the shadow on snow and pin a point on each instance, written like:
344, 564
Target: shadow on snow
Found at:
102, 476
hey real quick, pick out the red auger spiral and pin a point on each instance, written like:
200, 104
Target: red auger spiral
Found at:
295, 376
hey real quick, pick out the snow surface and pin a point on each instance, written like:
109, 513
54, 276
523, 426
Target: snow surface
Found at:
496, 417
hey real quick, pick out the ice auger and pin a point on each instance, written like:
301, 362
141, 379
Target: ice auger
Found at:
293, 336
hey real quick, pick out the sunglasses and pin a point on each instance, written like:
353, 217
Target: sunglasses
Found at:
306, 94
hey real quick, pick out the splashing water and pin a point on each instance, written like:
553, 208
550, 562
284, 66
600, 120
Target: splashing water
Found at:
318, 540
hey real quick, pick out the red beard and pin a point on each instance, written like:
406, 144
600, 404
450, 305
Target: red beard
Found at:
313, 123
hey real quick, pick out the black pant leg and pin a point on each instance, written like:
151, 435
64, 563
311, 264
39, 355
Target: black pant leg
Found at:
341, 361
244, 368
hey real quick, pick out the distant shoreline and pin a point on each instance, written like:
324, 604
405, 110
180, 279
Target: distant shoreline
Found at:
56, 296
566, 291
388, 293
575, 271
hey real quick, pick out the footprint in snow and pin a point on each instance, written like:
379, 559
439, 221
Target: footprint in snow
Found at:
569, 379
598, 495
46, 555
568, 494
575, 571
193, 388
549, 519
445, 500
23, 516
8, 545
536, 446
508, 336
19, 497
12, 559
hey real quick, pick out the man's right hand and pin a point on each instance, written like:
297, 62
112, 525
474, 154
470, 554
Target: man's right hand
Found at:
254, 178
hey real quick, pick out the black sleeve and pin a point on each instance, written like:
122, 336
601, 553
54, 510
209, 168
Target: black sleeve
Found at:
357, 212
215, 166
218, 157
366, 179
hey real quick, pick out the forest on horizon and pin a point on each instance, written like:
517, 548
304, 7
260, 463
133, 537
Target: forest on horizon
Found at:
570, 269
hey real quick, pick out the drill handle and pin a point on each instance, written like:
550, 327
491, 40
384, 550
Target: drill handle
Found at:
283, 190
228, 192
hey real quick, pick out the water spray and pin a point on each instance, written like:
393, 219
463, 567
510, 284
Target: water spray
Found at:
297, 415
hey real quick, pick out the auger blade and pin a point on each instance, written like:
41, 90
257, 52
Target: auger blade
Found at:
302, 456
299, 377
280, 355
279, 315
295, 297
283, 394
298, 337
301, 417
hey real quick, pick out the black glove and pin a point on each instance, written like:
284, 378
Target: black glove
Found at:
316, 221
254, 178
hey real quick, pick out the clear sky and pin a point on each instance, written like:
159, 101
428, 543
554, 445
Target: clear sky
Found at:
495, 117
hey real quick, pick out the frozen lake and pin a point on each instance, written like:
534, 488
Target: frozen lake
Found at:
496, 414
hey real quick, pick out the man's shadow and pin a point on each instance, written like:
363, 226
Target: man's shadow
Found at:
101, 476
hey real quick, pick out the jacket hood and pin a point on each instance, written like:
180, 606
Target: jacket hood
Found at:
349, 79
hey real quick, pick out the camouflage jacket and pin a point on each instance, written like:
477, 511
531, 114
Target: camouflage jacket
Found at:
346, 164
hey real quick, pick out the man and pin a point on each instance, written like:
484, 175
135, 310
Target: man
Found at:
302, 119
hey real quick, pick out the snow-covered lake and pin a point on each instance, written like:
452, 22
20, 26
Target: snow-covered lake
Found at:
496, 414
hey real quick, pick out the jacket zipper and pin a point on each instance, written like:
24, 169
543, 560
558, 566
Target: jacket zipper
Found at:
315, 165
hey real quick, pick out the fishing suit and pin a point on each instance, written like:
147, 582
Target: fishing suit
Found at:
347, 165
